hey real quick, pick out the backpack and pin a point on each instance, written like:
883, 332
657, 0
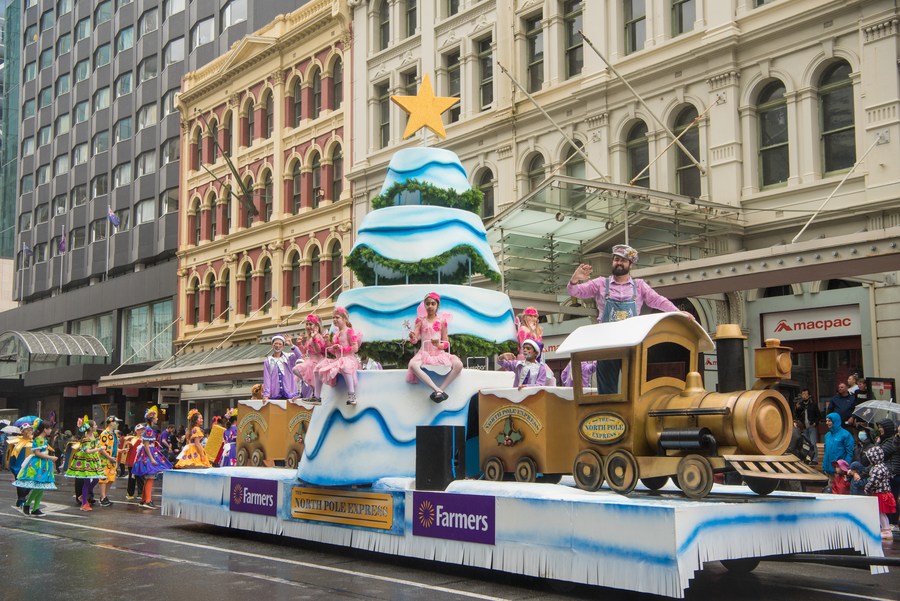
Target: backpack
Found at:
805, 449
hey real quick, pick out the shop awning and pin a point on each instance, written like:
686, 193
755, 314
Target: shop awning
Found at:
48, 343
226, 364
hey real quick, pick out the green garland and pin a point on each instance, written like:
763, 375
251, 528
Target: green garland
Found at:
470, 200
397, 353
362, 259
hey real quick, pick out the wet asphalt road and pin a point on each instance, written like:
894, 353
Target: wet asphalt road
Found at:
127, 552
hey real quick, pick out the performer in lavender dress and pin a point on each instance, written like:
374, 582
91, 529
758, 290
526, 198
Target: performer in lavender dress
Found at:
278, 375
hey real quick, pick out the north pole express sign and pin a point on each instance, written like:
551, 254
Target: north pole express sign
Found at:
827, 322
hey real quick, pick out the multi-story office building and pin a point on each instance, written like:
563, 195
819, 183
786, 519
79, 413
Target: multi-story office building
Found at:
787, 96
97, 183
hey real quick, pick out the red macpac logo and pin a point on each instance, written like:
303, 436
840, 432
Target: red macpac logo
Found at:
814, 324
783, 327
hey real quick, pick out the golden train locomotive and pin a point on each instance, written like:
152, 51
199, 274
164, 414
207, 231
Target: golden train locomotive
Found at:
658, 423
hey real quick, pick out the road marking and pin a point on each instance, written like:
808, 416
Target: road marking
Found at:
841, 593
292, 562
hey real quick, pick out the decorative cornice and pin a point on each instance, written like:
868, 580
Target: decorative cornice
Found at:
504, 152
879, 31
597, 120
722, 80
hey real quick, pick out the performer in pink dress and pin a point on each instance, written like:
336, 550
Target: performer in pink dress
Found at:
529, 329
431, 329
314, 352
341, 357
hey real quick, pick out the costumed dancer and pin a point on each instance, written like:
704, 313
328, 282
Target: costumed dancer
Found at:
131, 446
109, 450
431, 329
193, 454
86, 462
149, 460
587, 372
530, 371
341, 357
228, 453
36, 473
313, 354
529, 328
17, 452
278, 375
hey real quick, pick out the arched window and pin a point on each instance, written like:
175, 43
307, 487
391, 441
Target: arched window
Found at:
296, 183
297, 104
268, 195
251, 125
269, 125
213, 218
836, 108
195, 303
337, 269
486, 185
214, 142
226, 295
226, 138
315, 279
771, 113
211, 300
295, 280
337, 164
248, 185
337, 83
197, 147
575, 168
267, 285
316, 180
316, 95
247, 301
198, 231
383, 24
687, 175
226, 211
638, 149
535, 172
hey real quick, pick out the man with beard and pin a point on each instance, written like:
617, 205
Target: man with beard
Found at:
618, 296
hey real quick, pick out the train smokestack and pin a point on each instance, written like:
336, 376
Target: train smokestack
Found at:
730, 353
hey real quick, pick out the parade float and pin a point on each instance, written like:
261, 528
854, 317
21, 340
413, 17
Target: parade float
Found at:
619, 522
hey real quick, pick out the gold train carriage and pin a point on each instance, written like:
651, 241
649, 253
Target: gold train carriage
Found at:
270, 431
658, 422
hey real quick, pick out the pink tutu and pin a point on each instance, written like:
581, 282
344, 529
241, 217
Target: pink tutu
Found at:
307, 369
886, 502
429, 355
329, 369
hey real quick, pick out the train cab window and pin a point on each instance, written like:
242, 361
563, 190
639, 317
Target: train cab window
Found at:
668, 360
602, 379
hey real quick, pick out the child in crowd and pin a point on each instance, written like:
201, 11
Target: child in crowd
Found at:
529, 371
229, 448
193, 454
149, 460
431, 329
37, 470
132, 444
858, 478
879, 485
841, 484
86, 462
529, 328
341, 358
313, 352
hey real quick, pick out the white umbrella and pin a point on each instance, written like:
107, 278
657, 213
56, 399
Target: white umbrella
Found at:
875, 411
11, 430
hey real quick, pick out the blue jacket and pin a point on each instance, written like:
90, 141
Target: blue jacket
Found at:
838, 444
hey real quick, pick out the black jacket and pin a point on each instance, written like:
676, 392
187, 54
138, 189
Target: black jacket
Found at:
811, 408
890, 444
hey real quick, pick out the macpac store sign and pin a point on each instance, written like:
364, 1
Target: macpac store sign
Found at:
827, 322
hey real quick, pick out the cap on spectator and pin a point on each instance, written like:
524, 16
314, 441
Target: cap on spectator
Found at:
139, 427
841, 463
626, 252
112, 418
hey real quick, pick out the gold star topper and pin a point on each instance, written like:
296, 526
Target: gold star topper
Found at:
425, 109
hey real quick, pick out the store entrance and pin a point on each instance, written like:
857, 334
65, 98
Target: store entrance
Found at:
822, 364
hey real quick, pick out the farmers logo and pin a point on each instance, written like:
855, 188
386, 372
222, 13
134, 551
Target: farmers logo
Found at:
426, 514
467, 518
254, 496
783, 327
238, 494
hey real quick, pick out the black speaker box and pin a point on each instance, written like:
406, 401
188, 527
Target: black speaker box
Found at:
440, 456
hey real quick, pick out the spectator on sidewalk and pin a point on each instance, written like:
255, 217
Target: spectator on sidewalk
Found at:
807, 411
838, 445
879, 485
841, 403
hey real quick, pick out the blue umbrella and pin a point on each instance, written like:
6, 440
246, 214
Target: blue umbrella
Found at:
28, 419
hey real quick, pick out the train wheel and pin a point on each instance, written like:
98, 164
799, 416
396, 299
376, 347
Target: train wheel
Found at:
242, 457
655, 483
762, 486
526, 470
588, 470
493, 469
621, 471
695, 476
292, 460
549, 478
257, 458
741, 566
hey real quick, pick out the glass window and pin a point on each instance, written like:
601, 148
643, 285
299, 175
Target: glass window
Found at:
168, 101
63, 84
43, 174
125, 39
269, 108
173, 52
63, 7
122, 129
202, 33
101, 99
103, 12
337, 168
268, 193
40, 252
28, 146
45, 59
486, 185
452, 6
100, 185
836, 108
296, 188
63, 44
47, 20
82, 111
45, 135
170, 7
298, 102
30, 34
316, 95
637, 148
79, 195
63, 124
144, 212
535, 172
451, 62
58, 204
411, 17
316, 273
45, 97
146, 116
100, 142
168, 201
383, 24
534, 42
337, 83
410, 82
82, 69
27, 185
42, 213
573, 11
98, 230
170, 151
83, 29
124, 216
76, 238
687, 175
101, 56
147, 68
383, 100
122, 174
234, 11
25, 221
684, 12
635, 25
149, 21
123, 84
146, 163
773, 135
80, 154
147, 336
485, 73
121, 3
28, 108
30, 71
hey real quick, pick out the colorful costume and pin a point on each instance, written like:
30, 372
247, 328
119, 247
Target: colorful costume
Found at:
229, 449
193, 454
110, 443
142, 463
430, 353
36, 473
278, 375
313, 354
85, 464
347, 362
